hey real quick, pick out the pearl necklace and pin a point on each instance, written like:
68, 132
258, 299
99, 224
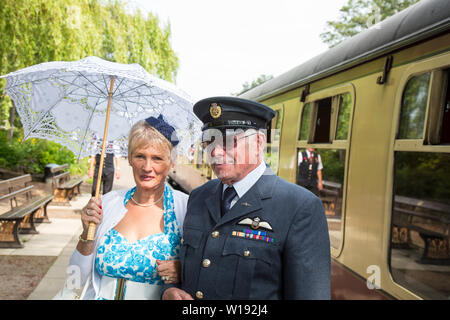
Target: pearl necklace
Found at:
147, 204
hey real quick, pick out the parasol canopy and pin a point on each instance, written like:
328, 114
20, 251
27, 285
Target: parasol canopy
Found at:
71, 102
66, 102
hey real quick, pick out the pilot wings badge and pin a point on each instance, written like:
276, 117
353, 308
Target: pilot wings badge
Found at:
256, 223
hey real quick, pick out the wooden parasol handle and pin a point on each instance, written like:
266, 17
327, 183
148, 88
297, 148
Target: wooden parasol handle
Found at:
92, 226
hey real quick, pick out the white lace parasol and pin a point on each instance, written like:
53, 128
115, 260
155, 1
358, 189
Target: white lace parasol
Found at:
66, 102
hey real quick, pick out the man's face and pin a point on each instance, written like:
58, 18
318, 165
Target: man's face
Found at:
234, 153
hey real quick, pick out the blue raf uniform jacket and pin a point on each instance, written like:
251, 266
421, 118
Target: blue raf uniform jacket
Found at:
222, 259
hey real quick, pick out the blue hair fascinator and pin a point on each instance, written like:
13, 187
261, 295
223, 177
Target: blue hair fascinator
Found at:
164, 128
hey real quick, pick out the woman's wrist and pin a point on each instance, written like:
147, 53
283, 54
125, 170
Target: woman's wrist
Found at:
84, 246
83, 238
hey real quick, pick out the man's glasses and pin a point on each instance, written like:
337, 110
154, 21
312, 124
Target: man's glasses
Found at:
224, 140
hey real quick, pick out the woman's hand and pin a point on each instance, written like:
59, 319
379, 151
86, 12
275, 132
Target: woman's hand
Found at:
92, 212
169, 270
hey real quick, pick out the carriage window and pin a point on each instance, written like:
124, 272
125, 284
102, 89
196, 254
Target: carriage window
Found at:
304, 125
322, 172
276, 127
420, 253
414, 105
323, 119
345, 105
273, 148
445, 128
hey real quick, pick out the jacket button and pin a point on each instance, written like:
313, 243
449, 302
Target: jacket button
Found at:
215, 234
199, 294
206, 263
247, 253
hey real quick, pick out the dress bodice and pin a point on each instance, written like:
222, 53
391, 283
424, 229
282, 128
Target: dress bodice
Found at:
118, 258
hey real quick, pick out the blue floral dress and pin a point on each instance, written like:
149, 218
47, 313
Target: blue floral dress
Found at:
136, 261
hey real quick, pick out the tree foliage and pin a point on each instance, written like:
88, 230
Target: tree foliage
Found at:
32, 155
423, 175
247, 86
358, 15
414, 106
36, 31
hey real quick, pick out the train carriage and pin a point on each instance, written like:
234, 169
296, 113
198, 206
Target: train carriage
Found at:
377, 109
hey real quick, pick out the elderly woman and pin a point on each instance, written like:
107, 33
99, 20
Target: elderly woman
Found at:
138, 231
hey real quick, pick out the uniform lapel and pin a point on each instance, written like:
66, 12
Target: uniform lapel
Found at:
252, 200
213, 202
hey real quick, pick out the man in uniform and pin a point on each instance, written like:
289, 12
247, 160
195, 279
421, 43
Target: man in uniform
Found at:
109, 169
309, 173
249, 234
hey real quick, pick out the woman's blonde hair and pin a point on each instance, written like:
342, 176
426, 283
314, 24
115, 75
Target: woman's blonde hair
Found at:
142, 135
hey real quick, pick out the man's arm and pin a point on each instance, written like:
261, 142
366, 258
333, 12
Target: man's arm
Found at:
307, 261
319, 173
319, 180
91, 167
117, 167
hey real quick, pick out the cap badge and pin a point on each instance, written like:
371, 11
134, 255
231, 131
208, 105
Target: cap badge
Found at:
215, 110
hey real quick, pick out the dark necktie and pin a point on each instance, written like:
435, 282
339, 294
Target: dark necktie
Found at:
228, 196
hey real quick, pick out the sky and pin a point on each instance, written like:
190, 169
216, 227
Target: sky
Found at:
223, 44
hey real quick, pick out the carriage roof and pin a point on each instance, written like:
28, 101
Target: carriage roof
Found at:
425, 19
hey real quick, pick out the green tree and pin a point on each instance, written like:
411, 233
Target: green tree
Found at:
358, 15
247, 86
36, 31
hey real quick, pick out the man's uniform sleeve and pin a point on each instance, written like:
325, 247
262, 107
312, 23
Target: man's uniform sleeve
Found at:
306, 261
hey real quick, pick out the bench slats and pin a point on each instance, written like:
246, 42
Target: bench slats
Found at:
71, 184
16, 193
427, 218
22, 211
60, 179
14, 182
21, 219
64, 186
59, 168
424, 215
423, 204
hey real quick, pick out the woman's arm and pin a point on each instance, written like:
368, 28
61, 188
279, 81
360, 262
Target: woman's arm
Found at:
92, 212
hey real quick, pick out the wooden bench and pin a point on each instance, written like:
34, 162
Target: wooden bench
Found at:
64, 188
431, 220
24, 211
331, 196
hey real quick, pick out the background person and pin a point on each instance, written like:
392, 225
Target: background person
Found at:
135, 228
309, 174
249, 234
109, 168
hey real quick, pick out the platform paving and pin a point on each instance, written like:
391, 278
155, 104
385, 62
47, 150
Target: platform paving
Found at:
54, 279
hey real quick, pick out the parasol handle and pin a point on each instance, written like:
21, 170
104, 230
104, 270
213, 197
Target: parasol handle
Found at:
92, 226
